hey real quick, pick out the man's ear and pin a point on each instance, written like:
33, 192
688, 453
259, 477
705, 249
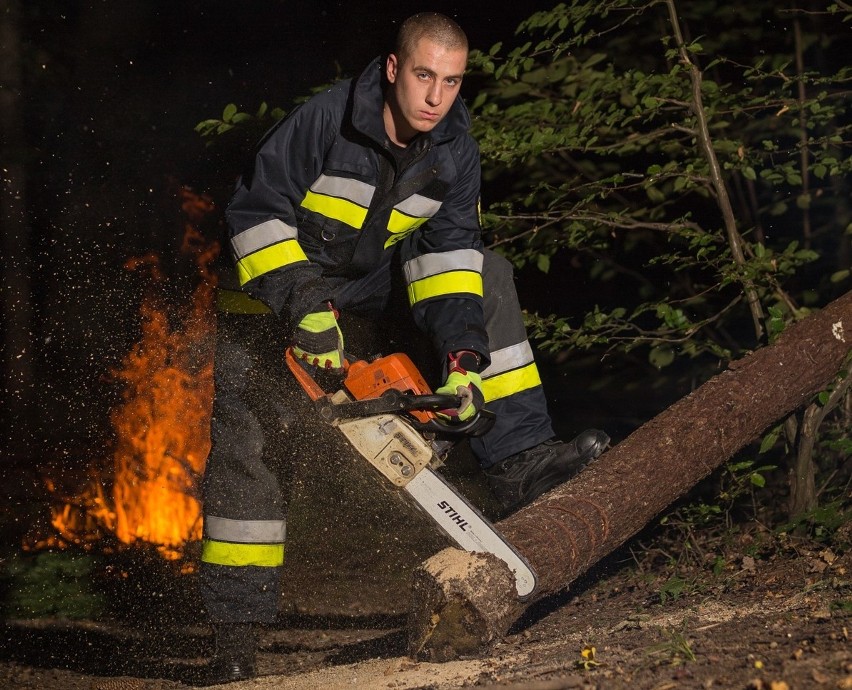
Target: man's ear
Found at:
391, 67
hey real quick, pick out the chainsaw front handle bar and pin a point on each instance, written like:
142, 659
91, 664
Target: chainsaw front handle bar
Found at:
476, 426
394, 402
390, 402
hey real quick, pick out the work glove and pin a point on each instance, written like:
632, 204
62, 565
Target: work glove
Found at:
463, 380
318, 339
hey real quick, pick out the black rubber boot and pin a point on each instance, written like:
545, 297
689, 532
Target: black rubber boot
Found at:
233, 658
523, 477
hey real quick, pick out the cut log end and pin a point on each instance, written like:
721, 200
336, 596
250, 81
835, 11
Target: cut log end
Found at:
462, 603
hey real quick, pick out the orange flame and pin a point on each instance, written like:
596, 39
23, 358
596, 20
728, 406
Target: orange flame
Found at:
161, 426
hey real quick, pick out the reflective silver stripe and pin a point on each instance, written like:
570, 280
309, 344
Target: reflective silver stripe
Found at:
441, 262
508, 358
358, 192
245, 531
260, 236
418, 206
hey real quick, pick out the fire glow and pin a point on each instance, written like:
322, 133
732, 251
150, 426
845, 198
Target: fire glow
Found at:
150, 491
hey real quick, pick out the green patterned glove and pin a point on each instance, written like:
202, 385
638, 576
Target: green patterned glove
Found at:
464, 381
318, 339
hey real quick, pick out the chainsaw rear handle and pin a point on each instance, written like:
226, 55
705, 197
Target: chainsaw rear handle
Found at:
306, 381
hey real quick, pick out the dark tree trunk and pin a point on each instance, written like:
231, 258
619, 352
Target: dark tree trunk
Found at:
569, 529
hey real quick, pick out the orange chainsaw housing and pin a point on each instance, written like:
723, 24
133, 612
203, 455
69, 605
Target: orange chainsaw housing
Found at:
365, 380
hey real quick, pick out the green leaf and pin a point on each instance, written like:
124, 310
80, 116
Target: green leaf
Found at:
205, 126
661, 356
543, 263
769, 440
229, 112
839, 276
655, 195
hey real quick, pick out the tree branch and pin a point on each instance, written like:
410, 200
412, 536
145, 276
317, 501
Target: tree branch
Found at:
735, 240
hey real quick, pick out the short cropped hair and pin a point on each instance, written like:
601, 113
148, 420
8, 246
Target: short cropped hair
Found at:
432, 25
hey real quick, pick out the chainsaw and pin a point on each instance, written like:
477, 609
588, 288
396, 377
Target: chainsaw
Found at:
387, 412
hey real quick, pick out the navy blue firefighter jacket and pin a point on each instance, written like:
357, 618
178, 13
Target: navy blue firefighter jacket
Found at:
327, 200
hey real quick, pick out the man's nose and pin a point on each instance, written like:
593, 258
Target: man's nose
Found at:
433, 96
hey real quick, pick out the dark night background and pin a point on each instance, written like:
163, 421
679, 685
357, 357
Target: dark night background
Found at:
98, 104
110, 94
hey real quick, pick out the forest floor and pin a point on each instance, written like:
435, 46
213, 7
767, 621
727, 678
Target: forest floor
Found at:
679, 606
771, 621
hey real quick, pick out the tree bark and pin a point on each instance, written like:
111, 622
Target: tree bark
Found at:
803, 493
569, 529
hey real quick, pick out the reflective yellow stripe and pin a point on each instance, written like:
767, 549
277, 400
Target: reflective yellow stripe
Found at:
227, 553
238, 302
511, 382
408, 215
276, 256
444, 284
401, 226
399, 222
339, 209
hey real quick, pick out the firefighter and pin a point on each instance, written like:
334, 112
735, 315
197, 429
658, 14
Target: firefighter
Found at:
361, 198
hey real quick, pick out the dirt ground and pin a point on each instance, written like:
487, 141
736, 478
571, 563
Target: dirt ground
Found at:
739, 607
774, 620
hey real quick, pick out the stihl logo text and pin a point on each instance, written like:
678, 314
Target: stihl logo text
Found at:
454, 516
405, 443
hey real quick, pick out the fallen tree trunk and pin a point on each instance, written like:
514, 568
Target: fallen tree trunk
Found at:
462, 603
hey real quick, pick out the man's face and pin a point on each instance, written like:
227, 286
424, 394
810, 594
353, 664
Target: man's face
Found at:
423, 87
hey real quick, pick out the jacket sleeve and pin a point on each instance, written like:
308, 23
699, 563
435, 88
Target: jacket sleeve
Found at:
262, 218
443, 266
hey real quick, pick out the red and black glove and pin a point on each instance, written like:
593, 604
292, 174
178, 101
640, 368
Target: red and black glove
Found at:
463, 379
318, 339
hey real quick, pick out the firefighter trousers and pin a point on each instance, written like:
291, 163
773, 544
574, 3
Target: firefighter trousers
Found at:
261, 418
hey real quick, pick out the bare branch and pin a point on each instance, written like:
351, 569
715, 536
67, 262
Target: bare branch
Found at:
735, 240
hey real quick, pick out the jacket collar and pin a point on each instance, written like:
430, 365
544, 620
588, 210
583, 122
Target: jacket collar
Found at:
368, 103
